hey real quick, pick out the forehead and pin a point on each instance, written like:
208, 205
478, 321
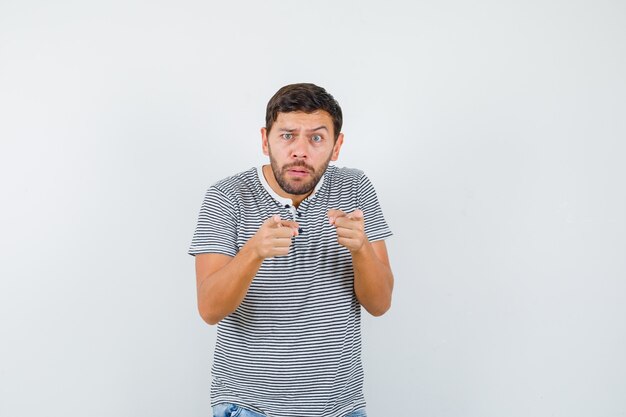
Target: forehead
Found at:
302, 120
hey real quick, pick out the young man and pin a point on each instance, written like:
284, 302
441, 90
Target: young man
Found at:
286, 255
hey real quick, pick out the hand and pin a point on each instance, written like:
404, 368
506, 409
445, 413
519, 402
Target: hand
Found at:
350, 228
274, 237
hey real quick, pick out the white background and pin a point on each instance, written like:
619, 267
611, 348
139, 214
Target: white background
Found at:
494, 132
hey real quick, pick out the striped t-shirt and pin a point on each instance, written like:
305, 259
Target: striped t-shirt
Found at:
293, 346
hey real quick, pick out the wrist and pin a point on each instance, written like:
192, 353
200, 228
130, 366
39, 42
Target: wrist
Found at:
251, 251
363, 250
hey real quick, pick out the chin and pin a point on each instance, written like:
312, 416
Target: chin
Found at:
298, 190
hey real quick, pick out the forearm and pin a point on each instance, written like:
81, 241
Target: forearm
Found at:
223, 281
373, 280
220, 293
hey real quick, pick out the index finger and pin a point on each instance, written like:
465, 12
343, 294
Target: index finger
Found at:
333, 214
288, 223
356, 215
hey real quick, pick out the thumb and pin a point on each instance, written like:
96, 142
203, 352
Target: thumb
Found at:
274, 220
356, 215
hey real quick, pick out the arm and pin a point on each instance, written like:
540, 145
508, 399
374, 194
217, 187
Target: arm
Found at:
222, 281
373, 279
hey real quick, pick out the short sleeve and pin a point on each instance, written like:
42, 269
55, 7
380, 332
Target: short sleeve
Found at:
216, 231
376, 227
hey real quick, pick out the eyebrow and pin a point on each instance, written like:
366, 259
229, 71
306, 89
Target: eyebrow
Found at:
311, 130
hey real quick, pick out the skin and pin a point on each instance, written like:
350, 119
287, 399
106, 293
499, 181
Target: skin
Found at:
300, 146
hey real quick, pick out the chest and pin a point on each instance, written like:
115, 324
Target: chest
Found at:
316, 234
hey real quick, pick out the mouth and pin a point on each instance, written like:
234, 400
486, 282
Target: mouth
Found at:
298, 172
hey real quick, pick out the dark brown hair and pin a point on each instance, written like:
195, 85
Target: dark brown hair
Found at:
303, 97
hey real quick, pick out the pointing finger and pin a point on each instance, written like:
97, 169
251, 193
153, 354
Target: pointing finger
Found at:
289, 223
334, 214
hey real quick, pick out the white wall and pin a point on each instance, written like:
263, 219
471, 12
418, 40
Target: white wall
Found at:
494, 132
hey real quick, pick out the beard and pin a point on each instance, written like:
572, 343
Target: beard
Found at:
297, 187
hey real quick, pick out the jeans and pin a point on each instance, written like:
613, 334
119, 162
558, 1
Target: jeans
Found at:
233, 410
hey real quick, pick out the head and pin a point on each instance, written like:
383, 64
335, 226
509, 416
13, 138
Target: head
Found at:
305, 98
301, 136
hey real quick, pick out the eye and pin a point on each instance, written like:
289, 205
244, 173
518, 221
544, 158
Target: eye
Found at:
287, 136
316, 138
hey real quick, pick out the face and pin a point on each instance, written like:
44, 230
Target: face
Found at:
300, 146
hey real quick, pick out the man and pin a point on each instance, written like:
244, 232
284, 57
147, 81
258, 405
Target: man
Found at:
286, 254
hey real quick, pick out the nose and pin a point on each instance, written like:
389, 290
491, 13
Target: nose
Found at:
299, 148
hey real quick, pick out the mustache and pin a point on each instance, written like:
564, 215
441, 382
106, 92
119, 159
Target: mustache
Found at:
301, 164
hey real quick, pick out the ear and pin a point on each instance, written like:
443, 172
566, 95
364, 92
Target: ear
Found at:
337, 147
264, 143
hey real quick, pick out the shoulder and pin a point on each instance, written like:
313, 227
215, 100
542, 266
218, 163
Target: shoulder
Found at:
236, 184
343, 174
343, 178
